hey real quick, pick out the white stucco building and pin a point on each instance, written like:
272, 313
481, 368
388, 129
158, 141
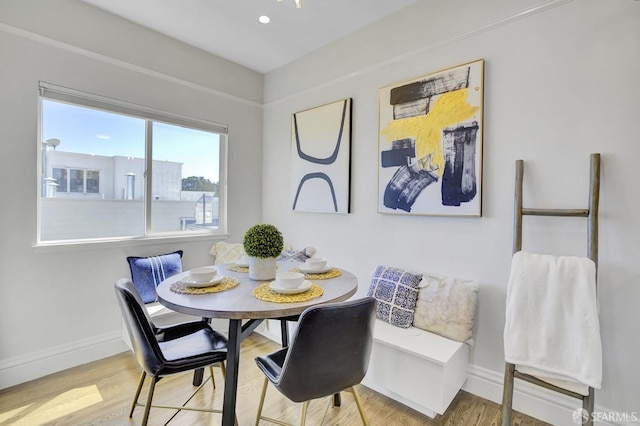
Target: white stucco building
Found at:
83, 190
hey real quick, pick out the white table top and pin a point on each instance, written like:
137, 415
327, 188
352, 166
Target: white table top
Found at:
239, 302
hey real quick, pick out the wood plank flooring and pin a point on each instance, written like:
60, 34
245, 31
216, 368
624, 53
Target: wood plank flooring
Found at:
100, 393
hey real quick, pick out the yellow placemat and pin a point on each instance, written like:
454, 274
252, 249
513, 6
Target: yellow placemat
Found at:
331, 273
263, 292
182, 287
237, 268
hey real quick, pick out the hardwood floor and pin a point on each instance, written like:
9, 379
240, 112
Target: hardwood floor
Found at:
100, 393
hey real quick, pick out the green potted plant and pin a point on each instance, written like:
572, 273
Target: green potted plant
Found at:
263, 243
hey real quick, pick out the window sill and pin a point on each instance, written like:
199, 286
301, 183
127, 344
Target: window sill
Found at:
62, 246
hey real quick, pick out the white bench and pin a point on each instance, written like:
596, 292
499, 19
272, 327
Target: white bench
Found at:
419, 369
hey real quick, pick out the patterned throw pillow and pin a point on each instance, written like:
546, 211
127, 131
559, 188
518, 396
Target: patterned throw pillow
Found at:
297, 255
226, 252
396, 291
446, 306
148, 272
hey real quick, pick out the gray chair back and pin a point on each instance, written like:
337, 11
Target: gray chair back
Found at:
330, 350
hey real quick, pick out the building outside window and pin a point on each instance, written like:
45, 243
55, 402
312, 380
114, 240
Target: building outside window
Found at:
109, 169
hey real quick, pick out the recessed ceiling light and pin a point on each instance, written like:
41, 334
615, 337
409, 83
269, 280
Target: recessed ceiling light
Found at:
264, 19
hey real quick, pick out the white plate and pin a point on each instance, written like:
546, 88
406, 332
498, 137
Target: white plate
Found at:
242, 264
306, 285
191, 283
303, 268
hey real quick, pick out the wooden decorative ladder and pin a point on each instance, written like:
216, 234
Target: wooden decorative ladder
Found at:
591, 214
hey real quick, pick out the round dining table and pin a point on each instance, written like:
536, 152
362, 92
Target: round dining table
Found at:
245, 312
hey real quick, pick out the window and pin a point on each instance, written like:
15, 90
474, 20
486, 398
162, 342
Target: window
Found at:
76, 180
60, 179
92, 181
84, 181
109, 169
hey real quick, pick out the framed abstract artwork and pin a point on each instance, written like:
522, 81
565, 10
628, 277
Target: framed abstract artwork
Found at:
321, 158
430, 143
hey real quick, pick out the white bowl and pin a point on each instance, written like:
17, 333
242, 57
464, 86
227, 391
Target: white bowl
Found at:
290, 279
315, 263
203, 275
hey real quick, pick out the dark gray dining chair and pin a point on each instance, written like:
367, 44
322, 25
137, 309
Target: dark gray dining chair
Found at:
162, 351
329, 353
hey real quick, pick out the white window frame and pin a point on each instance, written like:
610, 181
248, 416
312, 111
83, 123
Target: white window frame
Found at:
48, 91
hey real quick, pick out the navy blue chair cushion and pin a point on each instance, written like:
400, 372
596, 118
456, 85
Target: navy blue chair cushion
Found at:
148, 272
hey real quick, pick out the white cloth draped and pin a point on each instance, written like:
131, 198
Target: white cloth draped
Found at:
552, 329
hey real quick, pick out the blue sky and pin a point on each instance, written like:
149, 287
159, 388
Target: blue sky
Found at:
91, 131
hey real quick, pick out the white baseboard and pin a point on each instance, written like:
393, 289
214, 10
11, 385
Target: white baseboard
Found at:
14, 371
535, 401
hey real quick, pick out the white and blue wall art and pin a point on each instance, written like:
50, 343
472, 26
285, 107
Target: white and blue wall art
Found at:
321, 158
430, 144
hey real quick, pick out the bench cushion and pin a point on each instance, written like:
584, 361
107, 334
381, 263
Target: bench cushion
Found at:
446, 306
396, 291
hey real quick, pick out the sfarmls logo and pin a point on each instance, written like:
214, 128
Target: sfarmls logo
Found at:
581, 416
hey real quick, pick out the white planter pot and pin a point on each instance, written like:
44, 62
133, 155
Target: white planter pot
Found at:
262, 268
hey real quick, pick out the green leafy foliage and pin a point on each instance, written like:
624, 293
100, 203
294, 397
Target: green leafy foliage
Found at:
263, 240
198, 183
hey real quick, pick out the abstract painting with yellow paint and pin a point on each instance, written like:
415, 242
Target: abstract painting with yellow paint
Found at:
430, 143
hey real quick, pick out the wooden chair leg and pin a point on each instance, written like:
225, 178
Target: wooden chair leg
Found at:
507, 393
147, 407
356, 396
303, 413
262, 395
137, 395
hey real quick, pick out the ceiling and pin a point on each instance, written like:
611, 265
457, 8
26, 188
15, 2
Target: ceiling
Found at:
230, 28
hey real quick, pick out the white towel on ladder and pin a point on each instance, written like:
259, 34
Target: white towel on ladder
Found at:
552, 329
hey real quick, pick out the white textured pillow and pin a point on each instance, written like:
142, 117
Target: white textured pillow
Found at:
446, 306
226, 252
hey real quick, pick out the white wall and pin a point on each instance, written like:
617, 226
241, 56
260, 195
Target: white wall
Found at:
57, 307
561, 82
